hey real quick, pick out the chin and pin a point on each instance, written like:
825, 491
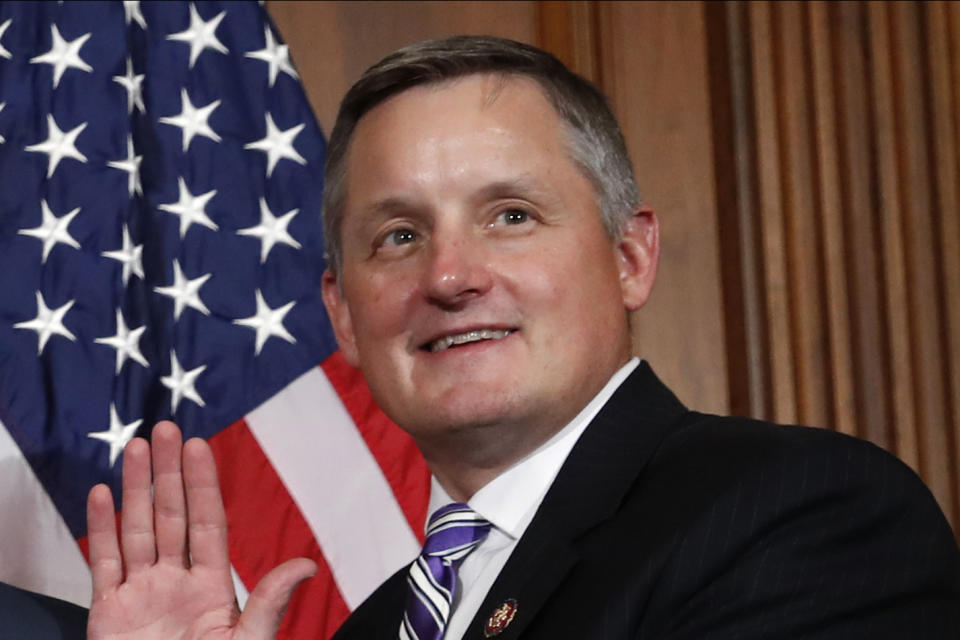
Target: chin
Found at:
461, 416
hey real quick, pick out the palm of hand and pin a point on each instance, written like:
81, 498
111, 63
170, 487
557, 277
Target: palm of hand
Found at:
168, 575
167, 602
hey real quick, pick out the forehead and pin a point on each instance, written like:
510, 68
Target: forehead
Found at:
495, 95
481, 122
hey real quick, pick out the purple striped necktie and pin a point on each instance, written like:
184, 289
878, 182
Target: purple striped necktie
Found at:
453, 532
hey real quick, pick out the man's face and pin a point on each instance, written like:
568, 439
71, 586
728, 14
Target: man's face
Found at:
479, 290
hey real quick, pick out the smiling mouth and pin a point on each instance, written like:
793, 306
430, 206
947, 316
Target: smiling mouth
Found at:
458, 339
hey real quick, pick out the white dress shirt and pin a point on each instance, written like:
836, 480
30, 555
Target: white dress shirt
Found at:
509, 502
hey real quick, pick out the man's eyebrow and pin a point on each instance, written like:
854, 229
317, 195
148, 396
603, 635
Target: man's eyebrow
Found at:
388, 206
520, 187
516, 187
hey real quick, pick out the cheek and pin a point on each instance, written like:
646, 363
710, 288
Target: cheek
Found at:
535, 282
384, 309
585, 293
567, 275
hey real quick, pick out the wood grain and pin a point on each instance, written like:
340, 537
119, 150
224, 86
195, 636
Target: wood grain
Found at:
842, 400
949, 15
943, 155
657, 56
334, 42
771, 214
921, 250
863, 267
570, 31
853, 151
803, 218
897, 392
735, 171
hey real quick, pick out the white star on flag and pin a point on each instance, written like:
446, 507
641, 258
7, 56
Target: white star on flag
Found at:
193, 121
48, 322
126, 342
200, 35
118, 435
59, 144
131, 11
133, 83
184, 292
274, 54
63, 55
268, 322
132, 166
191, 208
3, 27
181, 383
130, 256
271, 230
277, 144
52, 230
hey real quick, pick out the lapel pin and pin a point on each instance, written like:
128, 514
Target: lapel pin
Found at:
500, 618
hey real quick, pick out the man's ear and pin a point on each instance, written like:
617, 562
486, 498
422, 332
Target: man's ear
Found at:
638, 253
338, 310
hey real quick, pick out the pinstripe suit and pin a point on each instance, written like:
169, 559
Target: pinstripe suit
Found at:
31, 616
665, 523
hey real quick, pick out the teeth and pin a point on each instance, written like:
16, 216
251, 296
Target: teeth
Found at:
470, 336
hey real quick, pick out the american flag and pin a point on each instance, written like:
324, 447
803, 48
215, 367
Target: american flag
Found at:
160, 257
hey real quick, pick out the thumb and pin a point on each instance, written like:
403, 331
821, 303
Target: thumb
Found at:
268, 601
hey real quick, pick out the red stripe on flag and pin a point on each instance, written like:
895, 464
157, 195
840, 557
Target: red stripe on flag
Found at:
393, 449
266, 528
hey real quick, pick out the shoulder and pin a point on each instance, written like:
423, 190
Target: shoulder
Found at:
797, 517
755, 451
30, 616
779, 468
748, 435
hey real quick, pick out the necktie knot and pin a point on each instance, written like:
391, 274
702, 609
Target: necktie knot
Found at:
452, 533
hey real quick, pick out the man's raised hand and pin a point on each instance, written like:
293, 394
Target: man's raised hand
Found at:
168, 575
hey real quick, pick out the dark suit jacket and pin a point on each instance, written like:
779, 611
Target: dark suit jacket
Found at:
665, 523
30, 616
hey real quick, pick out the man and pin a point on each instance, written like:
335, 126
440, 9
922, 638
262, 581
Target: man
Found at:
486, 245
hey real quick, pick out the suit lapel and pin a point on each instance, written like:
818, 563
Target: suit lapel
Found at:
588, 490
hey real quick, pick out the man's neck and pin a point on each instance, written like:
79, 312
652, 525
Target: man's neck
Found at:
466, 464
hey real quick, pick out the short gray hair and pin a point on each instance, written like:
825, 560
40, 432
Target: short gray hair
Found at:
595, 142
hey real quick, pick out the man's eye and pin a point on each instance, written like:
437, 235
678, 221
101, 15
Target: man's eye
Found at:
400, 237
513, 216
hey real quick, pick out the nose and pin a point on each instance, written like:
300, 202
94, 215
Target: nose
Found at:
457, 270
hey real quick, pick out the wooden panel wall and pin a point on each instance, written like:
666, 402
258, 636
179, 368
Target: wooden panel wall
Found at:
803, 159
332, 43
654, 70
836, 146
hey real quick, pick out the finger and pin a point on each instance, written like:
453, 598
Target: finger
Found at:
105, 562
170, 506
136, 518
206, 518
268, 601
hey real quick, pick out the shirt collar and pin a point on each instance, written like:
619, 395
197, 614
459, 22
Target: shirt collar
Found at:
510, 500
